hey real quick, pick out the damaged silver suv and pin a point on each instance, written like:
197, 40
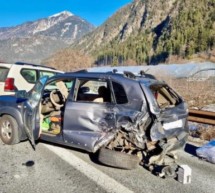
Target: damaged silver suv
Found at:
126, 119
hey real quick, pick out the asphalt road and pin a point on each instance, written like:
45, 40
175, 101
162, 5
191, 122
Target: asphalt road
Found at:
59, 169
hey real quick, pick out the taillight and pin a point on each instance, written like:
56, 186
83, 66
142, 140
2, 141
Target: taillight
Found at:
156, 95
9, 84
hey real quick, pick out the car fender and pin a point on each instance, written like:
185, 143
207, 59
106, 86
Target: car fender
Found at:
16, 114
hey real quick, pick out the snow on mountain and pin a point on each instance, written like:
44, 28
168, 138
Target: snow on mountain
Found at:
35, 40
67, 13
52, 26
47, 23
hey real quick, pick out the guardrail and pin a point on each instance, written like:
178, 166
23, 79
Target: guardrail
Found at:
200, 116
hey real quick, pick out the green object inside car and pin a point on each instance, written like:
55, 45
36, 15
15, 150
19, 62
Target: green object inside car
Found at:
46, 124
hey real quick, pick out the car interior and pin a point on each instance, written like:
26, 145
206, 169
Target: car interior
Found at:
52, 105
94, 91
165, 97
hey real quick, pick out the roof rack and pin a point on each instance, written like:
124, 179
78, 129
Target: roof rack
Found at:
115, 71
78, 71
111, 72
146, 75
81, 71
36, 65
129, 74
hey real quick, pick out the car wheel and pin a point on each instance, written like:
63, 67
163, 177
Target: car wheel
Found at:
9, 130
118, 159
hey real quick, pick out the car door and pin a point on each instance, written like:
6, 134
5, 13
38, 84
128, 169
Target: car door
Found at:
30, 111
87, 118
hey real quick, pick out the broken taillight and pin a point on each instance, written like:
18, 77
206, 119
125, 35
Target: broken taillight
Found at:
9, 84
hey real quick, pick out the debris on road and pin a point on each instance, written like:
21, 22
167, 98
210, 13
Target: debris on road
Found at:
207, 151
184, 174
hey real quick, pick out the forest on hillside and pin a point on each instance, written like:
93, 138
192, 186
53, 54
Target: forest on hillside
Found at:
190, 32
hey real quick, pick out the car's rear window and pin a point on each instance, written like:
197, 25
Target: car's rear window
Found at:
165, 96
30, 75
3, 73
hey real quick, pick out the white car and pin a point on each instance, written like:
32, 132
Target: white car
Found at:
22, 76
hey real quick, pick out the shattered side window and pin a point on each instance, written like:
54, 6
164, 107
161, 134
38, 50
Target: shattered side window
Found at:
119, 93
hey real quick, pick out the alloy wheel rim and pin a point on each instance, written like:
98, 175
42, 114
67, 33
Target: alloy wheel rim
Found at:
6, 130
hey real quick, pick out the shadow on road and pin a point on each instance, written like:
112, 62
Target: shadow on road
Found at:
93, 156
191, 149
63, 146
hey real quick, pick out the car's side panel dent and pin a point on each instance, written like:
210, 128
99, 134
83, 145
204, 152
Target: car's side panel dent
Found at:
136, 126
85, 124
179, 112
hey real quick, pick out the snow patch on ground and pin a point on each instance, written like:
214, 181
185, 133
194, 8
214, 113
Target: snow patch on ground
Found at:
171, 70
209, 108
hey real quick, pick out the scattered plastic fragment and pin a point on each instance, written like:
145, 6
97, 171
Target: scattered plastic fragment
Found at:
184, 174
207, 151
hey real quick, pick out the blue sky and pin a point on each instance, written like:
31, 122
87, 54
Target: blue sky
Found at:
14, 12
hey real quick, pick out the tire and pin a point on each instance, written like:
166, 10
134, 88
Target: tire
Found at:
118, 159
9, 132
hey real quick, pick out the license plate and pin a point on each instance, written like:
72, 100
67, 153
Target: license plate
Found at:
173, 125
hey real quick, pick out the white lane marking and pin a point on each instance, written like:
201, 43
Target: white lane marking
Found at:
103, 180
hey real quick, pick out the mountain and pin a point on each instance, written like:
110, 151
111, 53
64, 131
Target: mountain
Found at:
150, 32
67, 60
32, 49
33, 41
